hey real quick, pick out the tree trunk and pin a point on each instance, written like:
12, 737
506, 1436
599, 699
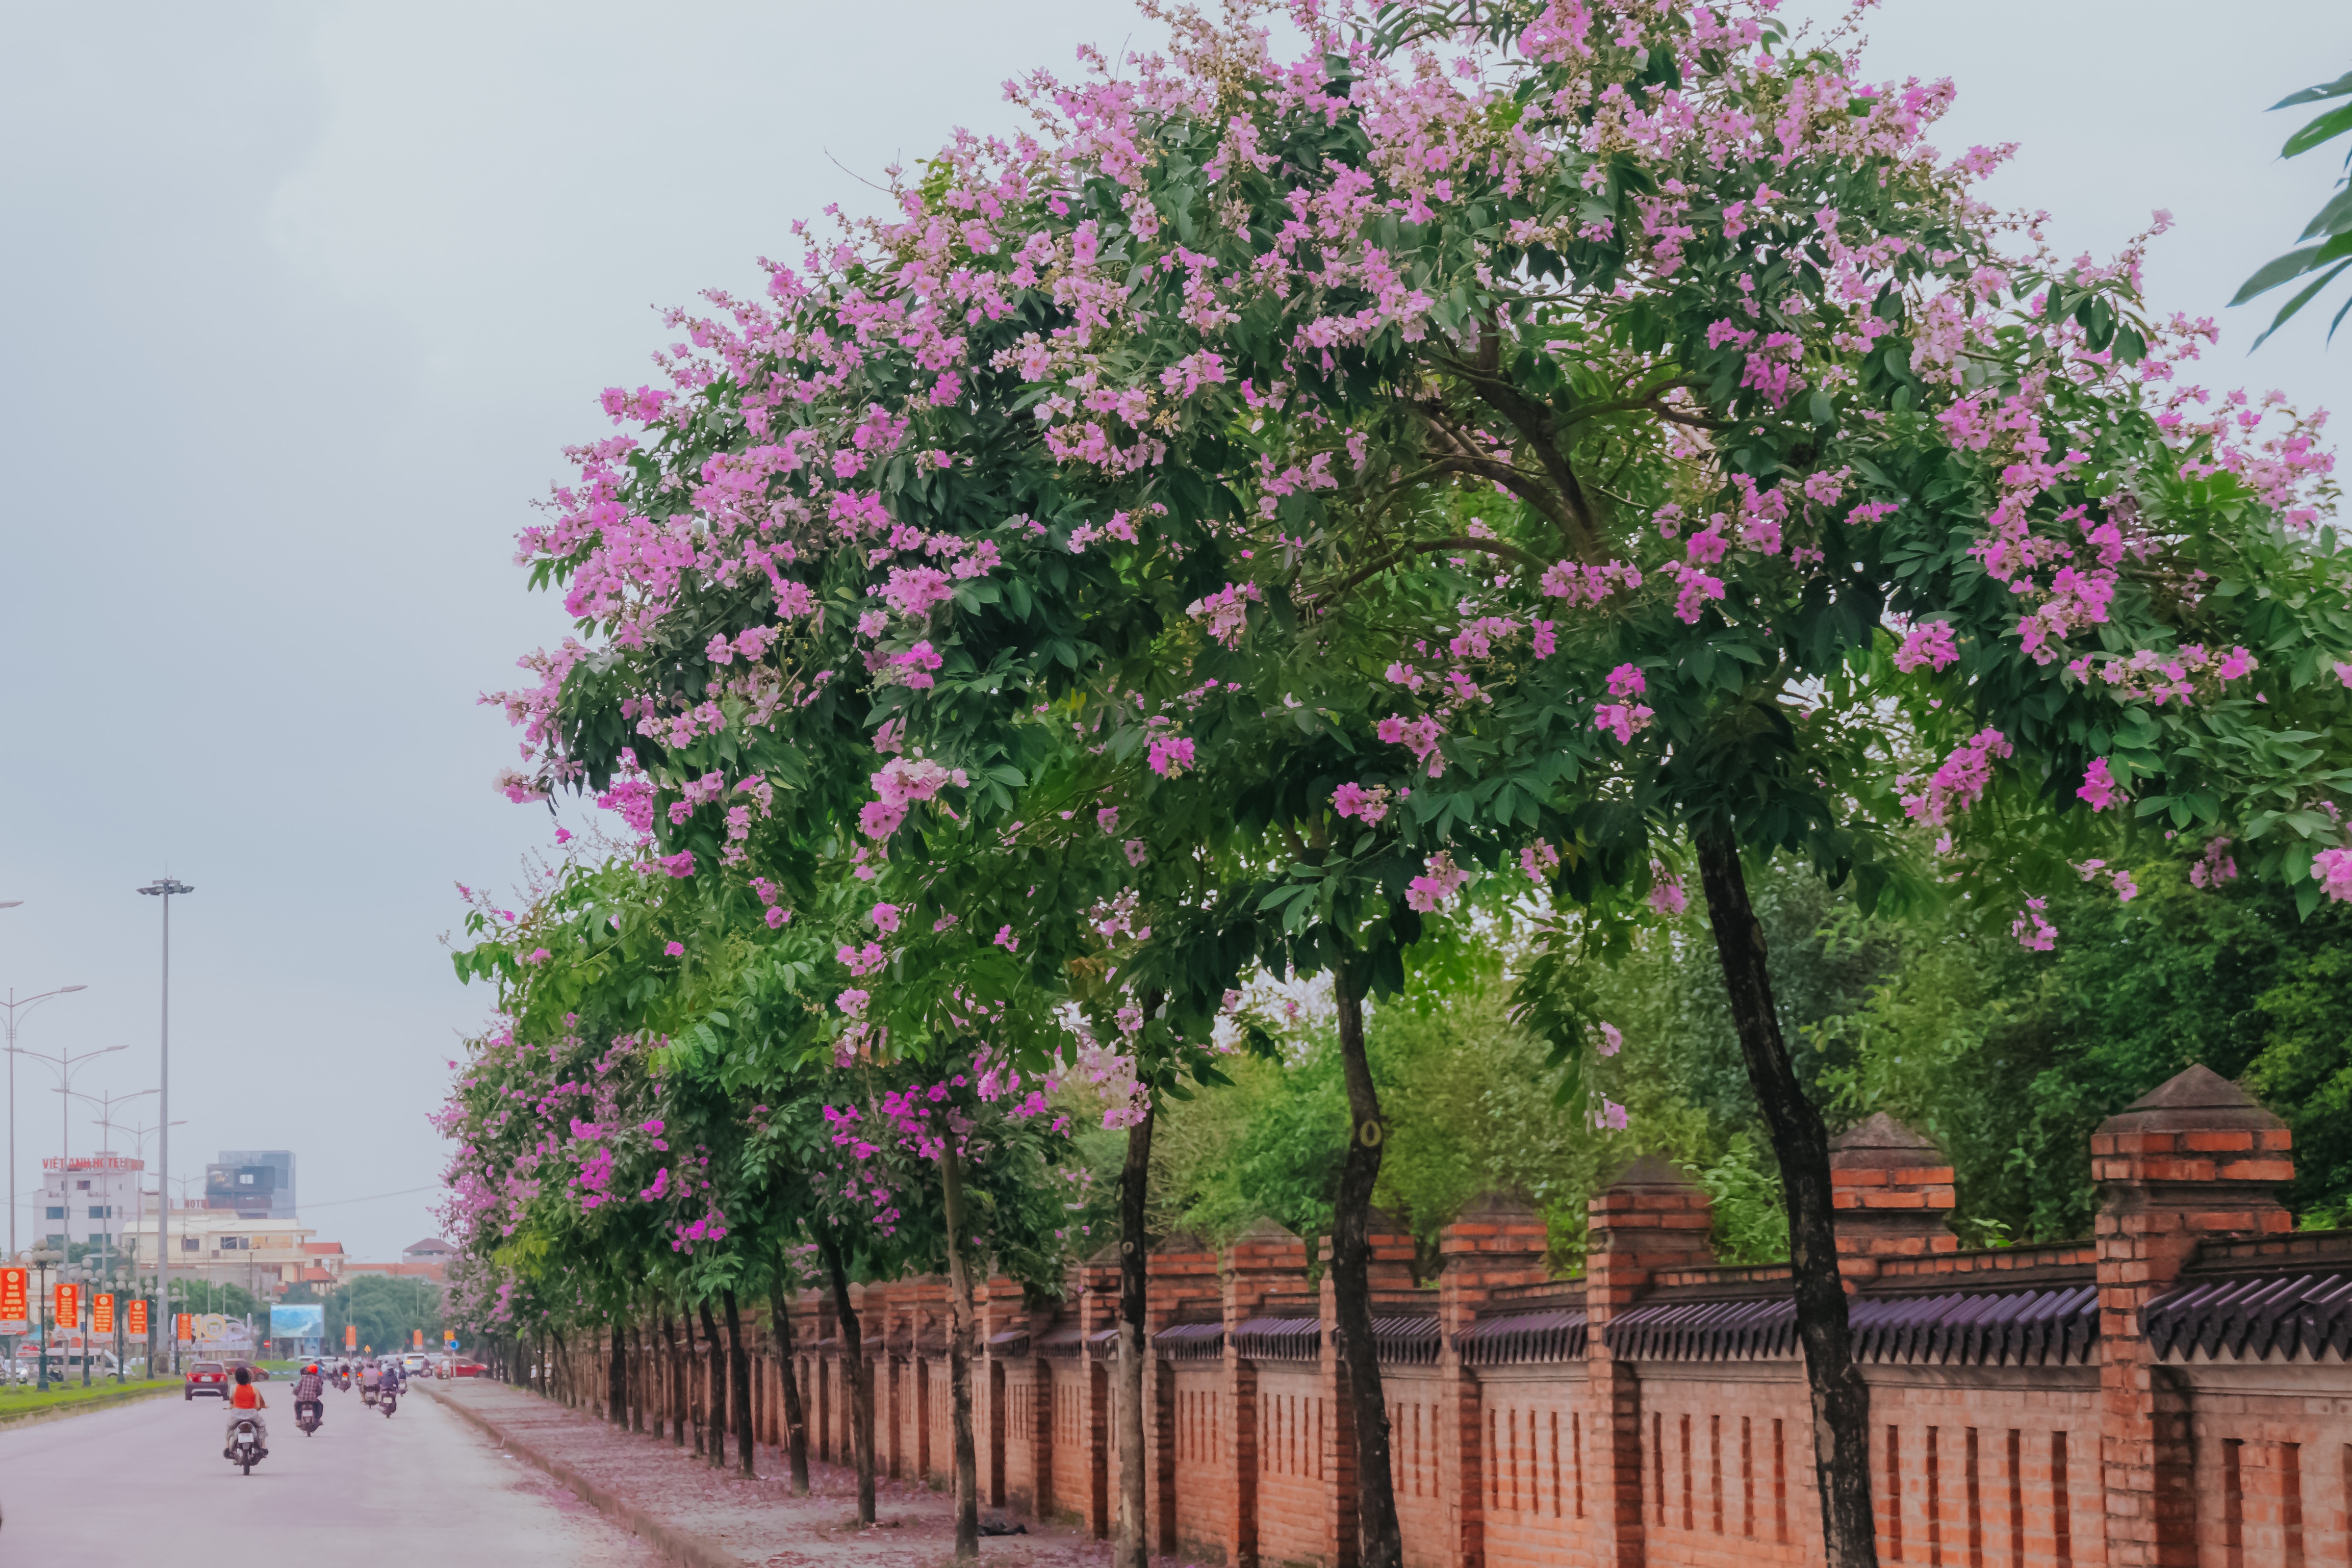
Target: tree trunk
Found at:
960, 1345
563, 1367
677, 1381
715, 1397
616, 1376
1801, 1141
780, 1309
640, 1375
1134, 1545
1380, 1544
858, 1373
739, 1367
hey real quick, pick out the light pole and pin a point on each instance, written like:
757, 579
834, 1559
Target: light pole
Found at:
106, 1103
42, 1257
139, 1137
67, 1064
164, 887
15, 1007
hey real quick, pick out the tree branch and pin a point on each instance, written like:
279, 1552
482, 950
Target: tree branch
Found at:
1496, 548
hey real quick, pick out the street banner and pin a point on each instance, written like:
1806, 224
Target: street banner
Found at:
137, 1315
351, 1336
101, 1314
420, 1339
16, 1300
186, 1327
68, 1307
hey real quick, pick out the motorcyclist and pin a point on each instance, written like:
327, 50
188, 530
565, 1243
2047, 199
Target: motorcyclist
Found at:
311, 1389
244, 1401
395, 1380
371, 1376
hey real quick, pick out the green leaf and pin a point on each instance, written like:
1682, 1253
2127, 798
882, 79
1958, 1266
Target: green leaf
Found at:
2303, 299
2327, 128
2341, 86
2334, 218
2293, 264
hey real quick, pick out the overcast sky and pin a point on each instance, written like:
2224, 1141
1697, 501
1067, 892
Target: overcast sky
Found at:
299, 304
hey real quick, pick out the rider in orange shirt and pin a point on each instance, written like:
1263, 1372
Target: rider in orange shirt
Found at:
244, 1400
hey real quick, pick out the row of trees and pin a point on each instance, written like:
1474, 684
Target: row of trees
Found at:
1522, 465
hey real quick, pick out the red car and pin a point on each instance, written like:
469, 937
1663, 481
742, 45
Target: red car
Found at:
206, 1377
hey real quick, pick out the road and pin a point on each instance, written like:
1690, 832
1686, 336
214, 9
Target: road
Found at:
146, 1483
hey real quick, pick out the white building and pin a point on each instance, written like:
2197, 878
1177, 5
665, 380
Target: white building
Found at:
89, 1199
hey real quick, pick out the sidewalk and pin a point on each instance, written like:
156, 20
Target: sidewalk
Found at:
704, 1518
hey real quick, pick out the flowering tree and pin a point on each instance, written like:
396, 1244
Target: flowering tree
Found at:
1630, 446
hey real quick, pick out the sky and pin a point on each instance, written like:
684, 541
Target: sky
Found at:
300, 305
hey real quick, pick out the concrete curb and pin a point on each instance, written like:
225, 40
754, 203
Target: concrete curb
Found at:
677, 1545
23, 1418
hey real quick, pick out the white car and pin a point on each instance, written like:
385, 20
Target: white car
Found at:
415, 1364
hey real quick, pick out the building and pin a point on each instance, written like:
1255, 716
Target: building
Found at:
231, 1249
436, 1272
89, 1199
256, 1183
432, 1250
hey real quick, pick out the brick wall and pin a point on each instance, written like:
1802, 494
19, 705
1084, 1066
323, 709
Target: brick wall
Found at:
2174, 1393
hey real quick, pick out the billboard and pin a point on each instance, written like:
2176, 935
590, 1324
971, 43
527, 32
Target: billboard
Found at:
66, 1310
137, 1313
101, 1314
307, 1322
16, 1300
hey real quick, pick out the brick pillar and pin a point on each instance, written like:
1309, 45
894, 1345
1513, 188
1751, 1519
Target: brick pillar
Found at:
1039, 1426
1265, 1259
996, 1306
1495, 1242
1892, 1191
1180, 1268
2192, 1160
924, 1303
1654, 1218
1098, 1309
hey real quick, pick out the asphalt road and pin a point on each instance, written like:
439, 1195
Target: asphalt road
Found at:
146, 1483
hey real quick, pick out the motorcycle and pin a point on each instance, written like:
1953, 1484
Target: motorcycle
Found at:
310, 1415
387, 1401
367, 1397
245, 1443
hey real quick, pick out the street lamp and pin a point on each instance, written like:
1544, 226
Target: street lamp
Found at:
15, 1007
139, 1137
67, 1064
106, 1103
163, 888
44, 1257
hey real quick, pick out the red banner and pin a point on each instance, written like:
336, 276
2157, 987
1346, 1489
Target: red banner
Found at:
16, 1294
101, 1314
187, 1327
419, 1339
351, 1336
136, 1314
68, 1306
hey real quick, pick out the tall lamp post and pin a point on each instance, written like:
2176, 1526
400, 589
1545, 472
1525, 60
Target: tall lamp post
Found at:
106, 1103
42, 1257
163, 888
139, 1137
14, 1008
